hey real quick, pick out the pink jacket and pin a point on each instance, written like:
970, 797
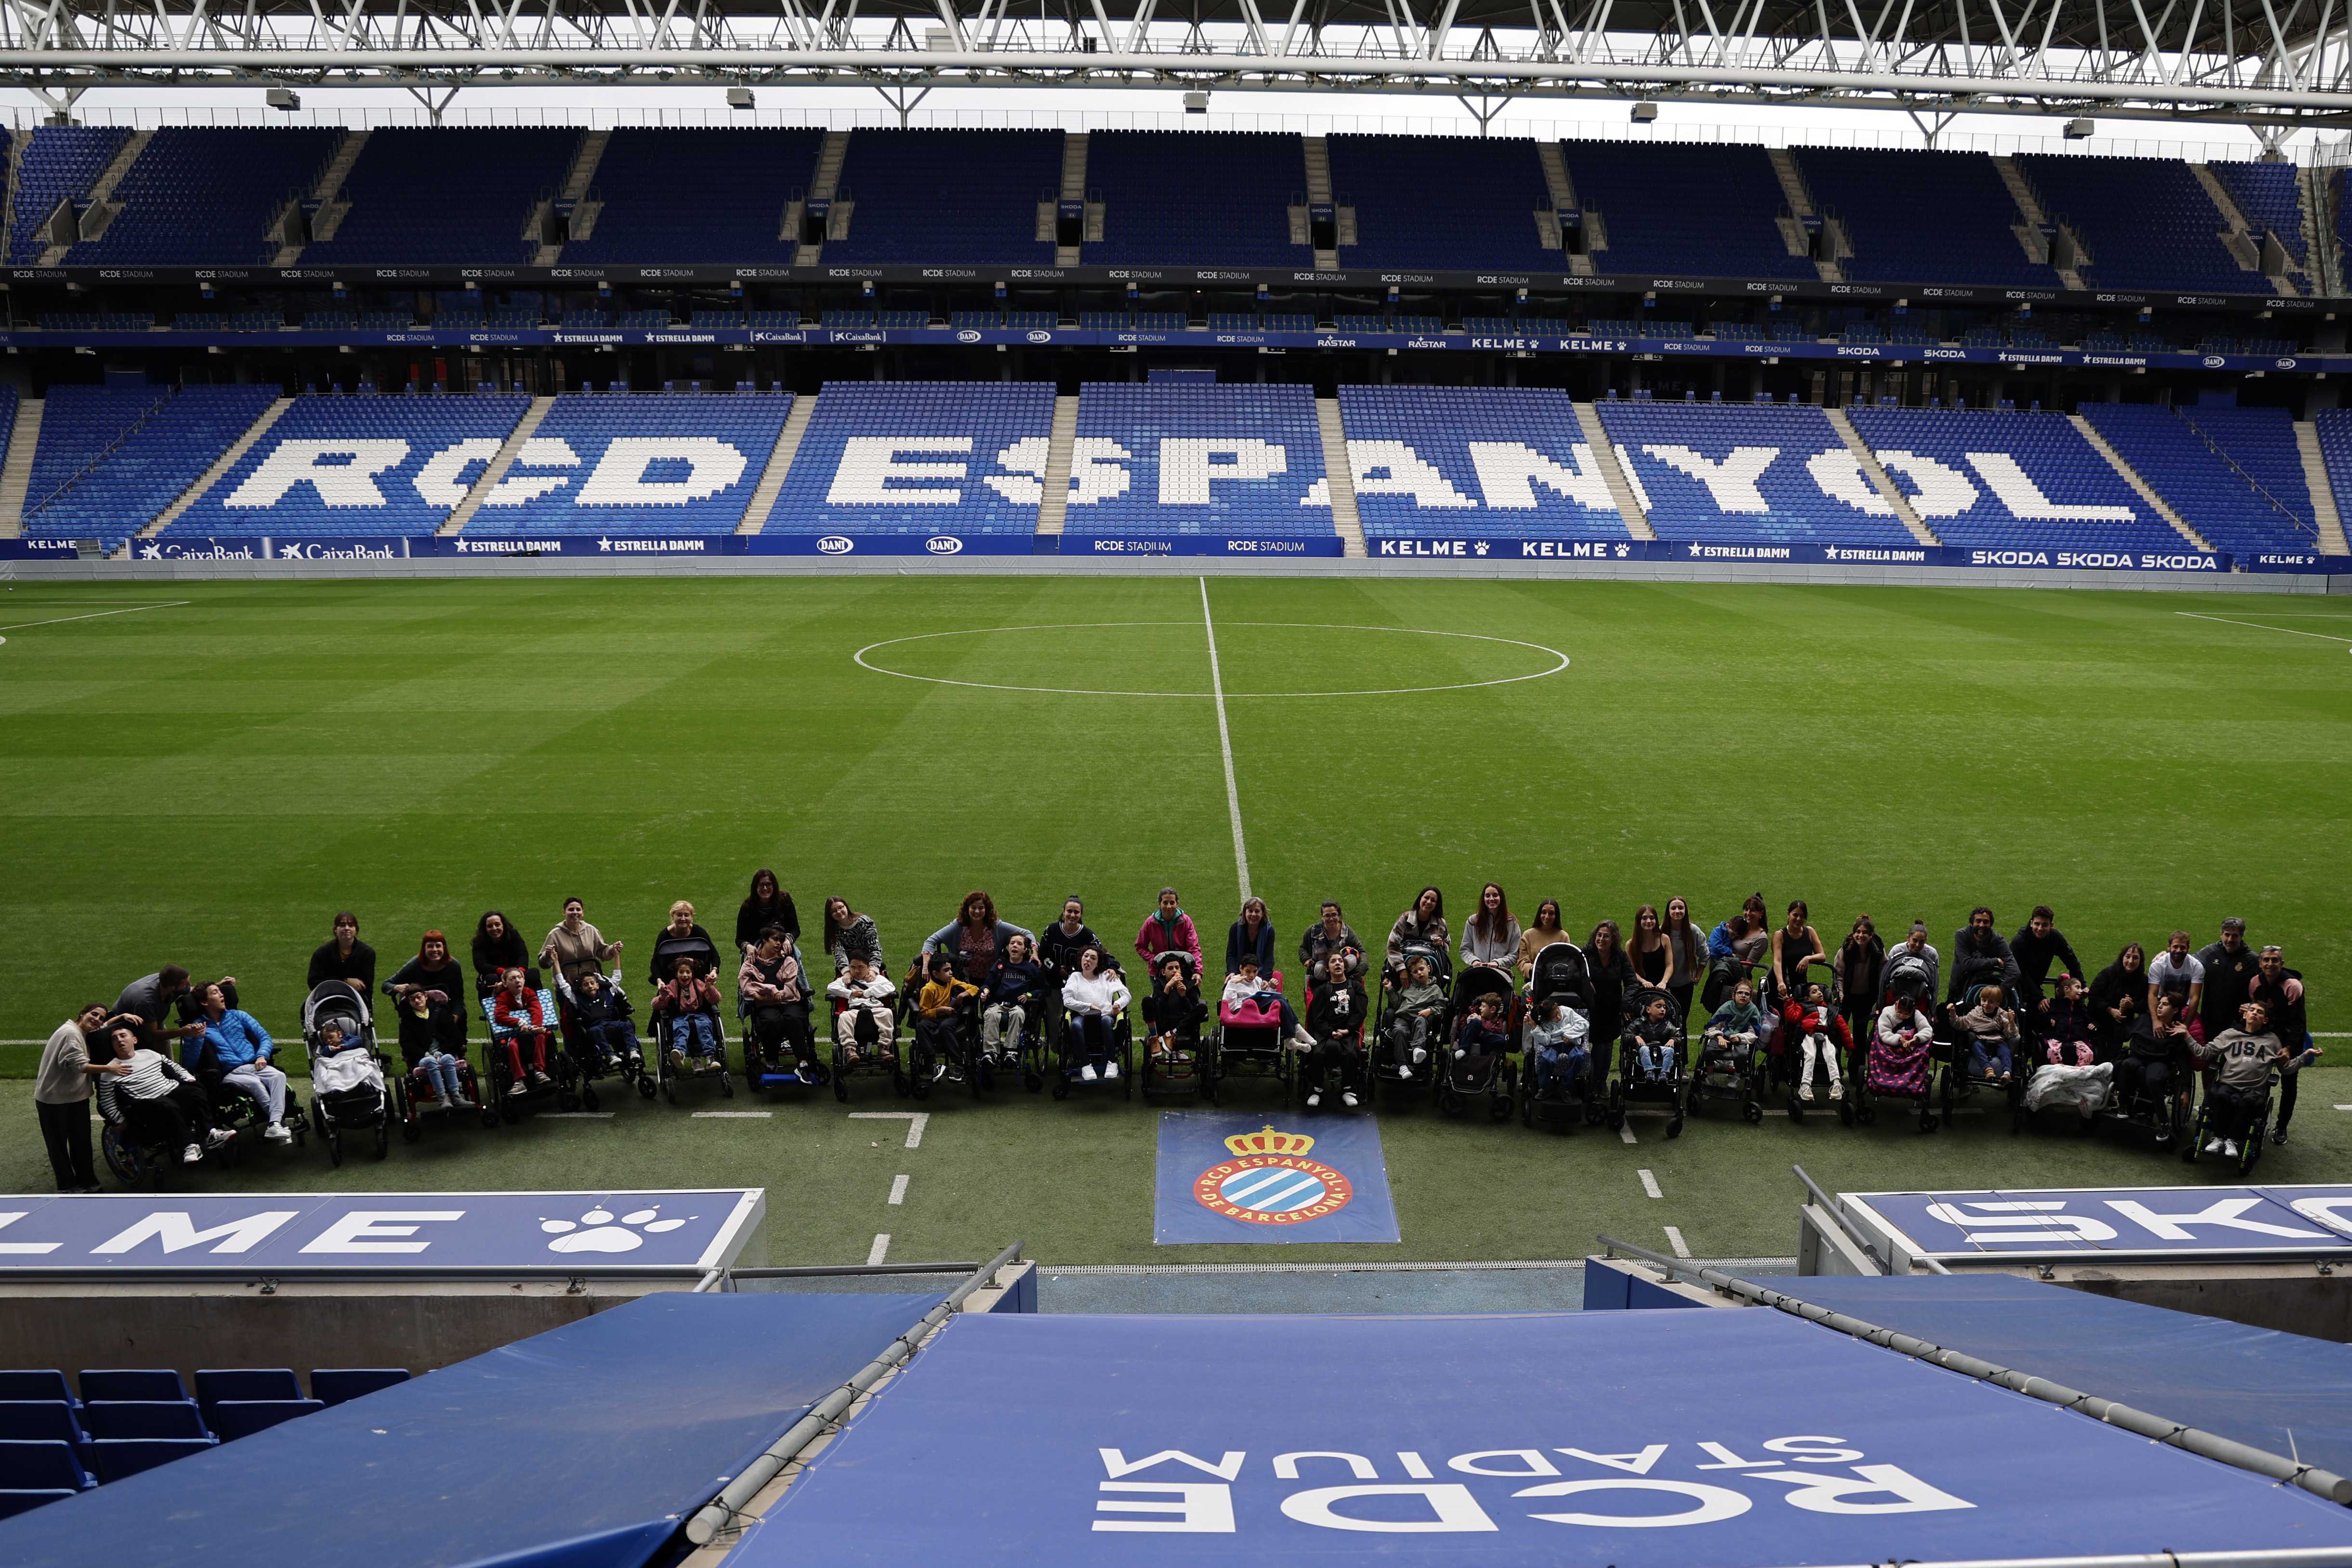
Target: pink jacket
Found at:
1152, 939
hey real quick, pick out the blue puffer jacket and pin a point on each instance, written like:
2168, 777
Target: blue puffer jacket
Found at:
237, 1039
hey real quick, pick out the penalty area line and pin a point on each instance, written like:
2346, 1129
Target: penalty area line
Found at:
97, 614
2288, 631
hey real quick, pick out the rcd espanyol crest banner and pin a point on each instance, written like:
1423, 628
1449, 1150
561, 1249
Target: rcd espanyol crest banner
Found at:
1248, 1179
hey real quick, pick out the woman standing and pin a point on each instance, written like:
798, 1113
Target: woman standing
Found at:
766, 904
1861, 966
61, 1096
2119, 995
1612, 976
1491, 939
848, 935
497, 948
1251, 937
1422, 926
975, 939
1689, 944
1540, 936
343, 956
1168, 929
575, 947
1652, 953
435, 973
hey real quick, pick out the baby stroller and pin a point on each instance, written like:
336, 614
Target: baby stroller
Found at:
1246, 1042
1178, 1072
1390, 1069
509, 1097
1665, 1084
347, 1089
1564, 1098
663, 1076
1458, 1086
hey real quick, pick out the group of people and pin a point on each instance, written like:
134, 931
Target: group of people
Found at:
2228, 1006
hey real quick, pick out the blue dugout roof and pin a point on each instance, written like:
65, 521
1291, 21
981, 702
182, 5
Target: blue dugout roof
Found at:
1666, 1439
2284, 1393
582, 1447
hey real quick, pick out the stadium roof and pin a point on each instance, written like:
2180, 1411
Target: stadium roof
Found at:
2264, 62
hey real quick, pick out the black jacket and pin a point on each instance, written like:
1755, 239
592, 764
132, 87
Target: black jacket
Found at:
1336, 1009
329, 963
1975, 963
2290, 1021
1058, 951
751, 920
509, 951
2117, 987
448, 978
2229, 980
2034, 955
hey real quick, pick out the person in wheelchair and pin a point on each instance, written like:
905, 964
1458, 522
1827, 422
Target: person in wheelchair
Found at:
1822, 1040
1559, 1039
154, 1099
1173, 1012
937, 1005
1735, 1027
689, 1002
1008, 997
1480, 1044
234, 1053
603, 1009
2158, 1051
775, 998
866, 1023
1335, 1017
1093, 997
1652, 1040
1244, 986
2064, 1027
1989, 1030
514, 1011
421, 1050
2243, 1059
1414, 1017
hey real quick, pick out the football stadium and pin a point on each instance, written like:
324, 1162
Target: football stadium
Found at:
1470, 785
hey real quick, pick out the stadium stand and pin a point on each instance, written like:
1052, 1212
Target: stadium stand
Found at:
638, 462
357, 465
697, 195
1748, 473
2001, 480
1162, 460
110, 460
2145, 222
60, 163
195, 197
933, 457
1705, 211
946, 196
454, 197
1450, 202
2334, 430
1466, 461
2266, 195
1923, 215
2225, 502
1194, 197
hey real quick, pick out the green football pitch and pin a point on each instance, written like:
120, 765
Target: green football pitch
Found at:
203, 773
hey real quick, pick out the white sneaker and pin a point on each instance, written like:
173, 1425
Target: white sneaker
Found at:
1347, 1098
192, 1155
1315, 1100
1837, 1089
1419, 1055
1404, 1074
1805, 1093
939, 1072
2213, 1146
2230, 1150
275, 1132
1086, 1074
217, 1136
1110, 1071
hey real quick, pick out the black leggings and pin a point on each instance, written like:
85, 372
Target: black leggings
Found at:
182, 1117
2231, 1111
1342, 1052
775, 1024
2141, 1075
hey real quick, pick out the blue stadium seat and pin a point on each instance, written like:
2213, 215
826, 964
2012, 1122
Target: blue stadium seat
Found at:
1677, 207
134, 1383
1746, 474
2244, 494
697, 195
42, 1421
197, 196
2145, 222
946, 196
111, 459
123, 1456
368, 465
644, 463
41, 1465
1205, 198
334, 1385
1993, 479
14, 1502
235, 1419
1169, 459
930, 457
40, 1384
2268, 197
1433, 462
106, 1419
1459, 202
1917, 216
246, 1382
423, 195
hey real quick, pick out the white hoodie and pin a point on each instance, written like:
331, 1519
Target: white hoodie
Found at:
1093, 994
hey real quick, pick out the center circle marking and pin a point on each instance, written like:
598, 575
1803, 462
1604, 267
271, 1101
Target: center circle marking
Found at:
859, 659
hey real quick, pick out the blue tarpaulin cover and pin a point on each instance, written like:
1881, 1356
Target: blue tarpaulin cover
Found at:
582, 1447
1728, 1439
2282, 1391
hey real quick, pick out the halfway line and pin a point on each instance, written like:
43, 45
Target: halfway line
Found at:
2322, 636
95, 614
1225, 743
